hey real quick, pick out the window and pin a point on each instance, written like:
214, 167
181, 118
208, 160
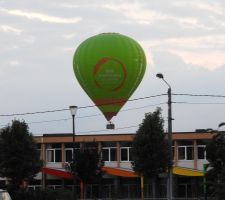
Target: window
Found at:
58, 155
105, 154
185, 153
126, 153
109, 154
50, 155
69, 151
113, 154
53, 153
181, 153
189, 153
39, 150
68, 154
109, 151
201, 152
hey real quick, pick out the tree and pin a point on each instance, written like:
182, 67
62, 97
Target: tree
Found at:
19, 158
88, 166
150, 147
215, 175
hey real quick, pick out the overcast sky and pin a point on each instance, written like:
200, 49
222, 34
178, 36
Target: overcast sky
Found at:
183, 39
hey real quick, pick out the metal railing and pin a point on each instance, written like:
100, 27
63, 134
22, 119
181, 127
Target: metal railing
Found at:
108, 191
146, 199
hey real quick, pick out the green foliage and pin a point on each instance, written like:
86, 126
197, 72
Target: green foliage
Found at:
215, 150
150, 146
88, 165
19, 156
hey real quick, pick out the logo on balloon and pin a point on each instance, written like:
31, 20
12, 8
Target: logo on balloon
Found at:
109, 74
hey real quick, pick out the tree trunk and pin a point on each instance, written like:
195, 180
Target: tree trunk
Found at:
82, 185
142, 187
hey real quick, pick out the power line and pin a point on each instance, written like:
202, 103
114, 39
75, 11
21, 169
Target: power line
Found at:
129, 109
103, 130
82, 107
106, 130
94, 115
115, 102
124, 110
122, 101
200, 95
198, 103
47, 121
32, 113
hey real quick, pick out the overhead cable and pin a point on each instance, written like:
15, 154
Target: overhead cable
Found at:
94, 115
200, 95
198, 103
115, 102
82, 107
103, 130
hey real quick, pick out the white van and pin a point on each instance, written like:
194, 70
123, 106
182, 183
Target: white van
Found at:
4, 195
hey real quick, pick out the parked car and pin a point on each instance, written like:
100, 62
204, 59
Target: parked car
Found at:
4, 195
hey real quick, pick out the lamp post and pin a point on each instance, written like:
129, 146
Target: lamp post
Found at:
221, 124
170, 164
73, 111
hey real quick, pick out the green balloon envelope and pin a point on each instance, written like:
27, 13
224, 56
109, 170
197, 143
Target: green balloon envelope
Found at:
109, 67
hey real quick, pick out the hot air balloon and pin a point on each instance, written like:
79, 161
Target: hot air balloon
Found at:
109, 67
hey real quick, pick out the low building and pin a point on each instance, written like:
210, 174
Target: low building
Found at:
119, 179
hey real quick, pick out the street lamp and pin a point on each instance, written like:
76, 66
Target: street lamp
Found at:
170, 164
221, 124
73, 111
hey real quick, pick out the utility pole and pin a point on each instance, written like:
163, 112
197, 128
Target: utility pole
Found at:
170, 143
170, 164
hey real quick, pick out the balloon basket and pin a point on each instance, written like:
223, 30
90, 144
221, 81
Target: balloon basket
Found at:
110, 125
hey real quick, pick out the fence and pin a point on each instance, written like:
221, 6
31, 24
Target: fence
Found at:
129, 192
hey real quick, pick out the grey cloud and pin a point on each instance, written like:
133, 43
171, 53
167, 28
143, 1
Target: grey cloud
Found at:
42, 56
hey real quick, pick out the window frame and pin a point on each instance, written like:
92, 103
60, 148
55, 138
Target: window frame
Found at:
53, 155
70, 149
185, 152
109, 154
128, 154
205, 155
